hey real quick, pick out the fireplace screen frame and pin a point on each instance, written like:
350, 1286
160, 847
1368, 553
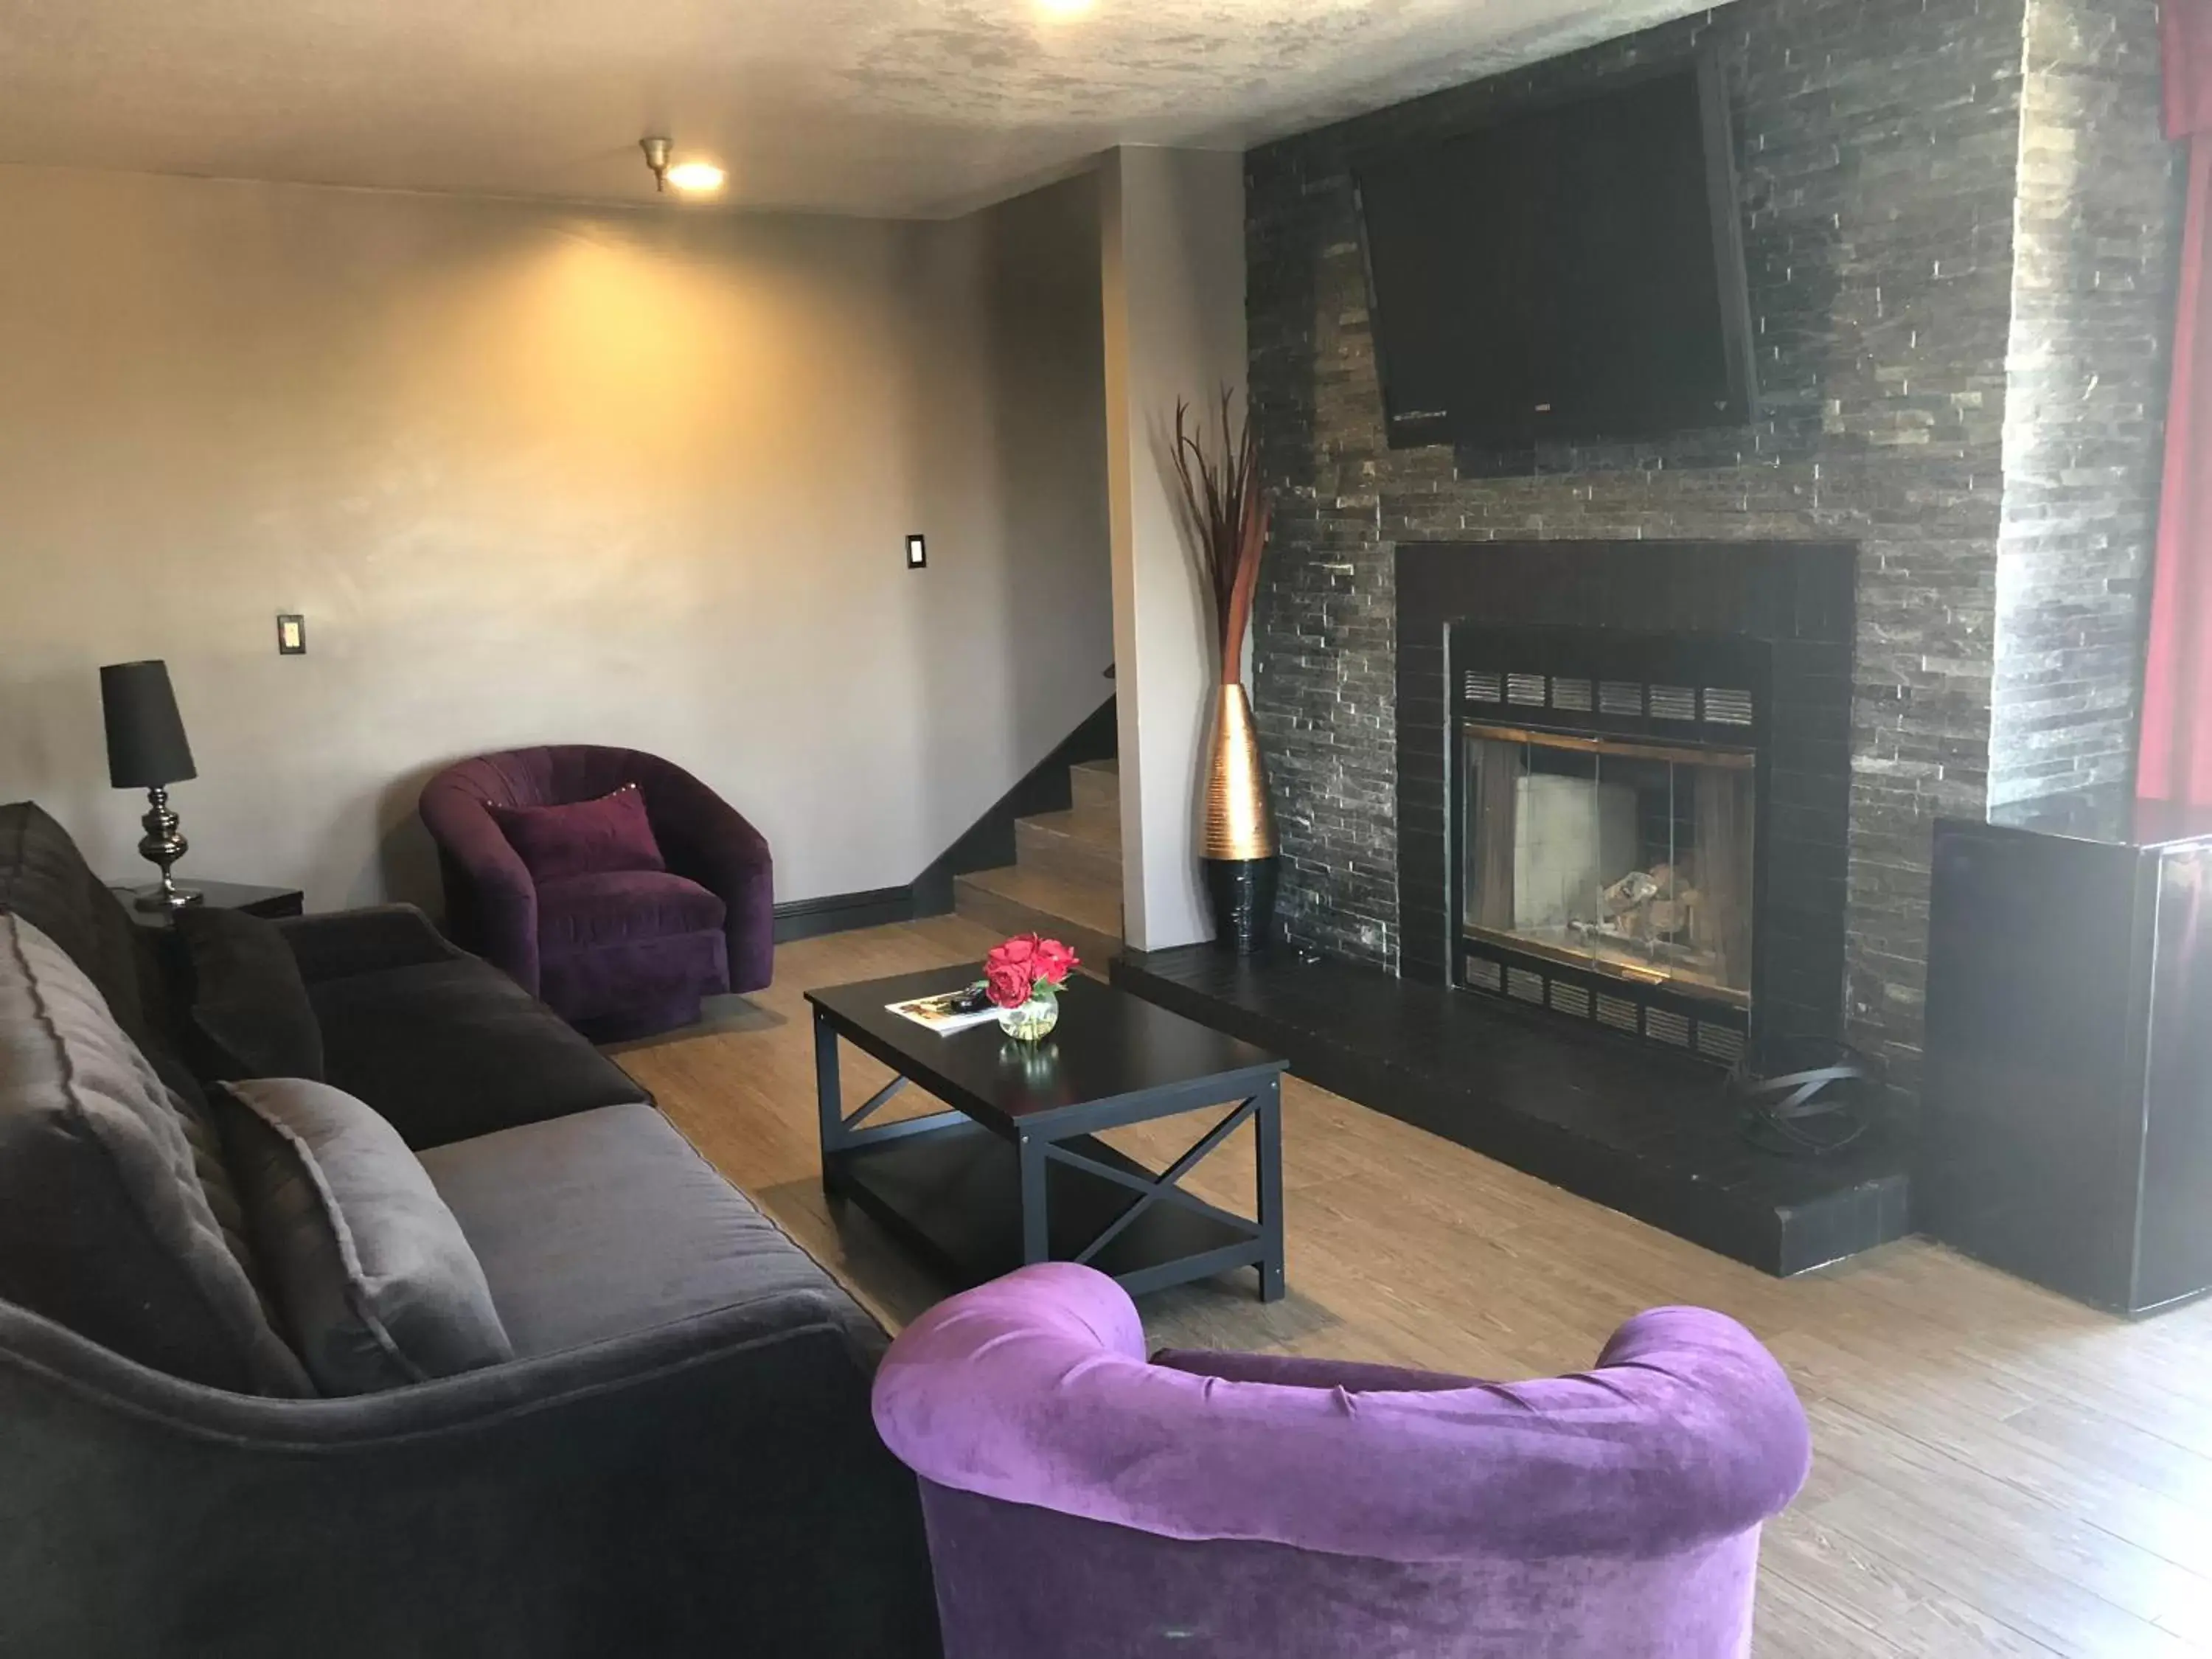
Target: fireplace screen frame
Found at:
1695, 699
1676, 907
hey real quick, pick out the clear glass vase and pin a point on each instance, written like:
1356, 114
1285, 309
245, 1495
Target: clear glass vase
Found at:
1033, 1021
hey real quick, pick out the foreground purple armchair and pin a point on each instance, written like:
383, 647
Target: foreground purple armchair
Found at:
1086, 1504
620, 954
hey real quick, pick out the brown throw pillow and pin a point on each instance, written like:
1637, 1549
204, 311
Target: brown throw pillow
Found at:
250, 1007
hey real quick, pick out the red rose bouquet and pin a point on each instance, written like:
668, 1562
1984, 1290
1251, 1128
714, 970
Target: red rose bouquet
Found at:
1026, 968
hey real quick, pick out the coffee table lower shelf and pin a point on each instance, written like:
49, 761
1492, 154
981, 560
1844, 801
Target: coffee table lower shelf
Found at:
954, 1195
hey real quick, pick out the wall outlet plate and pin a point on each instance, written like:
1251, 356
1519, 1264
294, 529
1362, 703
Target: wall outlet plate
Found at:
917, 552
291, 635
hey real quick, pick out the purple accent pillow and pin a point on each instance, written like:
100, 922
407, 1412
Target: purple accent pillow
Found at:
586, 838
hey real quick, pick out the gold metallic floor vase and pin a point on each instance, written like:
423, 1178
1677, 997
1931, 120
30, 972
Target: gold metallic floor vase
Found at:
1239, 824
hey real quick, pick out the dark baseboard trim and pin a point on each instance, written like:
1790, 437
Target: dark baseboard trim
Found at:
839, 912
985, 845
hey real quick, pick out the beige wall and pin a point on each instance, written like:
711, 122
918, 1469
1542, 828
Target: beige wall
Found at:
540, 475
1173, 262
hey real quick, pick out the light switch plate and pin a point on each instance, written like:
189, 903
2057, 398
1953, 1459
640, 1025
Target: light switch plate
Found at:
291, 635
917, 552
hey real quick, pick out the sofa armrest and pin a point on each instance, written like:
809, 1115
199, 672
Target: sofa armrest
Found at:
340, 943
707, 1482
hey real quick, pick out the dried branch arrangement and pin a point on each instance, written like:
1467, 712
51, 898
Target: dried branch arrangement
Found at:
1229, 518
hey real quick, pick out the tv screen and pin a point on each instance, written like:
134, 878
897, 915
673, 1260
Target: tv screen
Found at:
1570, 272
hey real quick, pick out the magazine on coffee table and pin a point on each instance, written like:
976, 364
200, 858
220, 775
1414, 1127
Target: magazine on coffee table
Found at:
949, 1011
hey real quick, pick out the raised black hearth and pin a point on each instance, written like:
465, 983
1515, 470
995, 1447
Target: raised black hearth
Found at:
1650, 1133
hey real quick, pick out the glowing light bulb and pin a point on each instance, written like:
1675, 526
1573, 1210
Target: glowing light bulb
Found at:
1065, 9
695, 176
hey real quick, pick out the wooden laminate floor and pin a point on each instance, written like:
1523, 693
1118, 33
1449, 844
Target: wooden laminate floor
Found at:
1997, 1471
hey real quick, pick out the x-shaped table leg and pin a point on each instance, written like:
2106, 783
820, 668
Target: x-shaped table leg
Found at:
1162, 1185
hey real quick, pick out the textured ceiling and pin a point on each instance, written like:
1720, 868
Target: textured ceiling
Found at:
881, 107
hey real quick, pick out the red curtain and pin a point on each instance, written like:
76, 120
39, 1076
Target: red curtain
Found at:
2176, 759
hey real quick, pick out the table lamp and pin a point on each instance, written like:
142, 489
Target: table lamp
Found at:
146, 749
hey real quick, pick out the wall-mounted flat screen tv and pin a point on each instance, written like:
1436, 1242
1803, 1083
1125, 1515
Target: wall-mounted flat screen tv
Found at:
1569, 270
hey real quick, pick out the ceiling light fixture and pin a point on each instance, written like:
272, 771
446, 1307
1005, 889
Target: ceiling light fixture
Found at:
690, 176
1065, 8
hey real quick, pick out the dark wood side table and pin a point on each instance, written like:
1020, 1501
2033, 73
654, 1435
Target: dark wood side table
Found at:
219, 895
1015, 1173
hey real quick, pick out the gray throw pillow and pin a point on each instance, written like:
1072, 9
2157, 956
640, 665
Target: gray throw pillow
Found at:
368, 1268
105, 1220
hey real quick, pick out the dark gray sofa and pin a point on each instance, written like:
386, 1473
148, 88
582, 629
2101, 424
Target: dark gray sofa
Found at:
679, 1460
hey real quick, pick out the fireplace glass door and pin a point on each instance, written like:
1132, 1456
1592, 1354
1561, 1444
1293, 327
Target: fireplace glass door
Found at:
1618, 858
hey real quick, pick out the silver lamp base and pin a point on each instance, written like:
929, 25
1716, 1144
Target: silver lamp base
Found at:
163, 845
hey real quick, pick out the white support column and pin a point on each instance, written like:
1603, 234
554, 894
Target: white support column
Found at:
1172, 248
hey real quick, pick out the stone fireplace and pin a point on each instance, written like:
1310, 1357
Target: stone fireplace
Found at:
1617, 775
1619, 792
1929, 541
1920, 562
1961, 373
1623, 784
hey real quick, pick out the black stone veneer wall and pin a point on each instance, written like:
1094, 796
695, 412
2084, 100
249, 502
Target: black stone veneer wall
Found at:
2094, 261
1877, 143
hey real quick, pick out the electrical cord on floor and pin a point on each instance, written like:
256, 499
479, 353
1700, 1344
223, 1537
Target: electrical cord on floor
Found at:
1816, 1107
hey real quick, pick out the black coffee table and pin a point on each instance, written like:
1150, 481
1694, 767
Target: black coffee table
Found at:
1015, 1172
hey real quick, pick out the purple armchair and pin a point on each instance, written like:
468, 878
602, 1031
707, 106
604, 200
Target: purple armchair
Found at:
616, 954
1086, 1504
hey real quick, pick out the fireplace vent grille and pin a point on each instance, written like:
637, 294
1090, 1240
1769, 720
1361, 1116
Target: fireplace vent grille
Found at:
1709, 1039
1717, 705
1727, 706
1720, 1043
1571, 998
1620, 1014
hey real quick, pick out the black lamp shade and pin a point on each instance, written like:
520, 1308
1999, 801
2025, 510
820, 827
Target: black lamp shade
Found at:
146, 746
